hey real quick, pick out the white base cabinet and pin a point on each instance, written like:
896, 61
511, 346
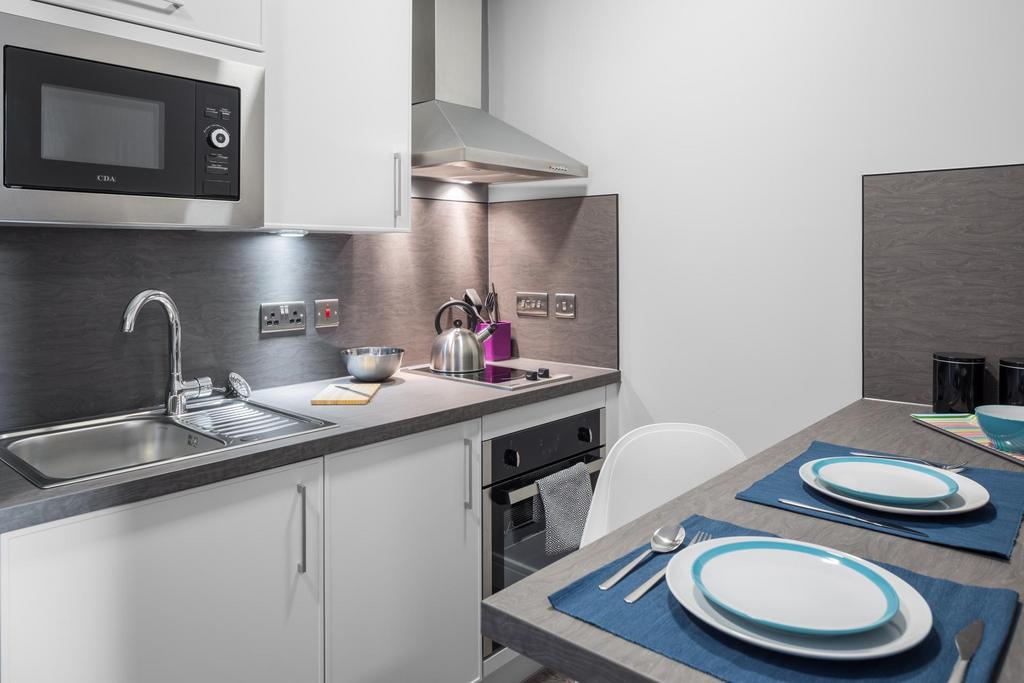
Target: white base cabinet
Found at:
198, 586
402, 526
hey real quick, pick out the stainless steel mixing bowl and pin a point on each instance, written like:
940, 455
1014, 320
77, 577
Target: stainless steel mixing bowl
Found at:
372, 363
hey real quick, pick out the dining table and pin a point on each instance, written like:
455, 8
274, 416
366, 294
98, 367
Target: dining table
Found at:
521, 617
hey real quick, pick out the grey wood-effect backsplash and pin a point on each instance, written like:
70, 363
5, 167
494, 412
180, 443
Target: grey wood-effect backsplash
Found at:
565, 245
63, 355
943, 271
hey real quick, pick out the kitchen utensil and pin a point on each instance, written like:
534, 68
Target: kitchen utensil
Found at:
967, 641
940, 465
650, 583
893, 482
472, 298
664, 540
970, 496
237, 386
495, 316
458, 350
911, 624
795, 587
489, 304
372, 363
1004, 425
883, 525
345, 395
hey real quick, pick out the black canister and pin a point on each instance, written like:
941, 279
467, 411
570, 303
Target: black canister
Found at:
958, 380
1011, 381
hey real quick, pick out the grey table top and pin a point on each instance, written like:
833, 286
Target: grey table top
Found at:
521, 617
407, 404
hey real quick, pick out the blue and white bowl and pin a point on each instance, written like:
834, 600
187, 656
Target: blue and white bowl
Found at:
1004, 425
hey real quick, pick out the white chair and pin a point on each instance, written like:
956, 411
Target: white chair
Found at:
652, 465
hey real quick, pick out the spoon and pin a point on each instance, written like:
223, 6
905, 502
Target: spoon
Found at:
665, 540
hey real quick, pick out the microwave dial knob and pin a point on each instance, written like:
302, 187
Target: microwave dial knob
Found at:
218, 137
512, 458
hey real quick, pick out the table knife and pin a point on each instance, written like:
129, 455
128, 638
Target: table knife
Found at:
884, 525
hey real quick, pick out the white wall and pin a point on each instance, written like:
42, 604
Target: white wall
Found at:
736, 134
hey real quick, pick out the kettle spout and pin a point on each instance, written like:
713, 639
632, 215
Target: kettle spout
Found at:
483, 334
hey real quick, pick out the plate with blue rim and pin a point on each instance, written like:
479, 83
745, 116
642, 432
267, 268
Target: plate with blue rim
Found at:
970, 496
795, 587
889, 482
909, 626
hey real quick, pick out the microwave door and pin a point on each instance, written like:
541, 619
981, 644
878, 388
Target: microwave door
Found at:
77, 125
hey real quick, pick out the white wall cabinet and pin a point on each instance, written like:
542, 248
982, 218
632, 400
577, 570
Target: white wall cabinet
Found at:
198, 586
338, 115
402, 523
233, 22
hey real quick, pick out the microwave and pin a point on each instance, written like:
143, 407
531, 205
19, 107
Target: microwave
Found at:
103, 131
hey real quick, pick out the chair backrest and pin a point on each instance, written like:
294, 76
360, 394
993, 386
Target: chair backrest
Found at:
650, 466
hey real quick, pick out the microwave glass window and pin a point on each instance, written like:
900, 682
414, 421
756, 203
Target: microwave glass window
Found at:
101, 128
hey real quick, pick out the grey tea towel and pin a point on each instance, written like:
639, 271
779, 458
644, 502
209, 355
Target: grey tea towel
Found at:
565, 500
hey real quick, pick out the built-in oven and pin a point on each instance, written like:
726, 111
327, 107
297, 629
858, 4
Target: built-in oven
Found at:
102, 130
513, 525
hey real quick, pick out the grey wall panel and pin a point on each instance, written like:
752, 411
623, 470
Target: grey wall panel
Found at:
63, 356
560, 245
943, 271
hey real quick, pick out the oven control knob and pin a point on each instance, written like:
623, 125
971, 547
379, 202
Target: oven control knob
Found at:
586, 434
532, 376
512, 457
218, 137
543, 373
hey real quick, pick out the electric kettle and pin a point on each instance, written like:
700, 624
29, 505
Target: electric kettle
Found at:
458, 350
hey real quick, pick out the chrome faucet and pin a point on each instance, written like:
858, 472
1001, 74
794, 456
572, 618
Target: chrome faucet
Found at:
178, 390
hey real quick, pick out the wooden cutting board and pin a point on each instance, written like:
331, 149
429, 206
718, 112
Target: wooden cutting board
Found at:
345, 395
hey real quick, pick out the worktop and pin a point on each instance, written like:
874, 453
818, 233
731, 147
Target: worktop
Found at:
521, 617
407, 404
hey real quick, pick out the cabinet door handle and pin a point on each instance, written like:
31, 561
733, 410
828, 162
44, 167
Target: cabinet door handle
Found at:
398, 186
468, 450
302, 517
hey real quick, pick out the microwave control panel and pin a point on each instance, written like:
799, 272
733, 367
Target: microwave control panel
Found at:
217, 149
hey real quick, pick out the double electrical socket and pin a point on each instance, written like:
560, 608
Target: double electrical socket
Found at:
535, 305
290, 316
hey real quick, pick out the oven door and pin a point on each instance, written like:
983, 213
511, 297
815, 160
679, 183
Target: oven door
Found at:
78, 125
514, 529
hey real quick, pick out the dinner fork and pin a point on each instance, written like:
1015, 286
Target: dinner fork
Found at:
653, 581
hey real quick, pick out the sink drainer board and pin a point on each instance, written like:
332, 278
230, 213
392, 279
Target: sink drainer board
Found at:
242, 422
67, 453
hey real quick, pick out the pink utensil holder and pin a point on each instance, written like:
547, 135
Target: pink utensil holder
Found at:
499, 345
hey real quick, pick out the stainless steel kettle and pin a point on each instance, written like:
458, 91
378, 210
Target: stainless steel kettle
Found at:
458, 350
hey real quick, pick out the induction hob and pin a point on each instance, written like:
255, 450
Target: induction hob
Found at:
498, 376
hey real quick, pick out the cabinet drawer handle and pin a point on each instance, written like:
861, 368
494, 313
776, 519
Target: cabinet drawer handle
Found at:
398, 186
302, 517
468, 446
175, 5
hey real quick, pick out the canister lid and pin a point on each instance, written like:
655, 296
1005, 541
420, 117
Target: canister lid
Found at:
1012, 362
958, 357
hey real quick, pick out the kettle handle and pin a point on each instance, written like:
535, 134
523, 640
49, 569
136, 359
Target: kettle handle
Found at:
460, 304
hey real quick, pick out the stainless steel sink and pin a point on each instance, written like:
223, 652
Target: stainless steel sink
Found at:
68, 453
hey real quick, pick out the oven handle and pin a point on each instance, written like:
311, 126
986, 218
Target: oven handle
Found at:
503, 497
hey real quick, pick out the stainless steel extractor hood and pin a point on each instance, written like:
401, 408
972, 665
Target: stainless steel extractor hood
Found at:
453, 138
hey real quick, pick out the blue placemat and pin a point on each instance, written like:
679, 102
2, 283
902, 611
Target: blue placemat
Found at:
659, 623
991, 529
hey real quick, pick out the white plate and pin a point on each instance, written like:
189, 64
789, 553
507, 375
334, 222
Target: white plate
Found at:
970, 496
795, 587
911, 624
890, 482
